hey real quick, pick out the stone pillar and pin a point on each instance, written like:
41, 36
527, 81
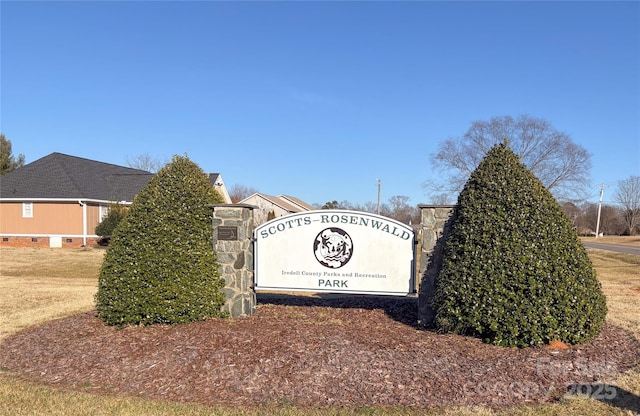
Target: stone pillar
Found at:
436, 223
233, 242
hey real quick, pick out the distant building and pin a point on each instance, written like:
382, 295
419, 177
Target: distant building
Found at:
58, 200
218, 184
278, 206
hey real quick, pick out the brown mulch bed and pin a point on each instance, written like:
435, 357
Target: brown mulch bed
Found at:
306, 351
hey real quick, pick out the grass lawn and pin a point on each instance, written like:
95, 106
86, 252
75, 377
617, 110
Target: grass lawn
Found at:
37, 285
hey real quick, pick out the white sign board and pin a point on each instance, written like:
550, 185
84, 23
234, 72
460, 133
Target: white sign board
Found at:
336, 251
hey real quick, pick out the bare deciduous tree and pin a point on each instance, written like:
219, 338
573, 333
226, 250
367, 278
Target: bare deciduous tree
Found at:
444, 198
610, 220
145, 162
400, 210
562, 165
628, 197
239, 192
397, 208
573, 212
368, 206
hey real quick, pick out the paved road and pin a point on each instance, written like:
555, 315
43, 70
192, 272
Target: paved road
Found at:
618, 248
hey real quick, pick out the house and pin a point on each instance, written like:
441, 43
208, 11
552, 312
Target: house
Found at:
58, 200
280, 205
218, 184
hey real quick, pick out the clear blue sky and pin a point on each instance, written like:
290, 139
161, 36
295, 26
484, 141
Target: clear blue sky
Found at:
316, 99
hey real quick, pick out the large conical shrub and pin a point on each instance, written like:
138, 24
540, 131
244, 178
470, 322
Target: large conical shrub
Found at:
514, 271
160, 266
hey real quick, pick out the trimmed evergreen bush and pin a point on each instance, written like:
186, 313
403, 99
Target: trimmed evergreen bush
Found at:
514, 272
111, 221
160, 266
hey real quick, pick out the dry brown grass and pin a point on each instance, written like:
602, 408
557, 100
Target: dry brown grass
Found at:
33, 301
620, 277
41, 284
51, 262
622, 240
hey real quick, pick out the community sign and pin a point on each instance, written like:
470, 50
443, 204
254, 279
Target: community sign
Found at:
338, 251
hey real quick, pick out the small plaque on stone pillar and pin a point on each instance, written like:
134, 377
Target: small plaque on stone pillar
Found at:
228, 233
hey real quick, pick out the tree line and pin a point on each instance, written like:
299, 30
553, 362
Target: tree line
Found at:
562, 165
396, 207
621, 217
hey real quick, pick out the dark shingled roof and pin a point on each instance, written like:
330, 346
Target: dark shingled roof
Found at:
62, 176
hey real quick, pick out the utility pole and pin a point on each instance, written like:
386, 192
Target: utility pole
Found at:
378, 196
599, 209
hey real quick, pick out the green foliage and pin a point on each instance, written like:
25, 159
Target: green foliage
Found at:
514, 271
160, 266
111, 221
8, 162
331, 205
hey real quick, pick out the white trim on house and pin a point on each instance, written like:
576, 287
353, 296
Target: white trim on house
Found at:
96, 201
27, 210
103, 212
50, 235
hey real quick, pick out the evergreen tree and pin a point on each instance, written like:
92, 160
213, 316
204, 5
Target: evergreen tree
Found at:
514, 271
8, 162
108, 225
160, 266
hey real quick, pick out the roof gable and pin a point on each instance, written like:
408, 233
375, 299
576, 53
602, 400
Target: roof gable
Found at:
218, 184
297, 201
62, 176
278, 201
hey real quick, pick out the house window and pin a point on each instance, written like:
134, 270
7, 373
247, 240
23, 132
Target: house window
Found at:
27, 210
69, 240
5, 239
34, 240
104, 211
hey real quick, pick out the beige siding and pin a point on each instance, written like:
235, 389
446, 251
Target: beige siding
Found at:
264, 206
93, 218
57, 218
